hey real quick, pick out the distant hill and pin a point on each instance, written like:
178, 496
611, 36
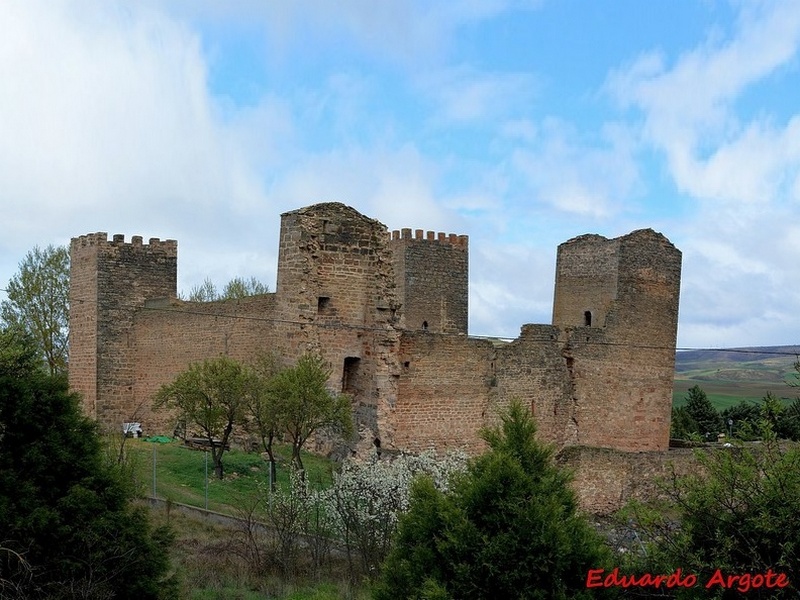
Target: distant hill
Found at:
734, 374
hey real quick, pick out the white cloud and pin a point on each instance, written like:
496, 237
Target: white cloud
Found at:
510, 285
465, 95
409, 32
689, 108
394, 185
108, 125
579, 177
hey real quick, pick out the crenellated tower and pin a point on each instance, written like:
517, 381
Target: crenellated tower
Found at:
432, 274
109, 282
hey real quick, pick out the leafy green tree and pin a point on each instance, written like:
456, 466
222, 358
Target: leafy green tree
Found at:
38, 302
263, 412
206, 292
739, 513
682, 426
305, 405
69, 527
238, 287
788, 426
509, 528
745, 417
210, 396
703, 413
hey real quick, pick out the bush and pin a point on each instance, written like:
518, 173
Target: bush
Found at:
740, 514
63, 508
509, 528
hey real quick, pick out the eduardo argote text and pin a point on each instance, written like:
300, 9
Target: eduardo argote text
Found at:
599, 578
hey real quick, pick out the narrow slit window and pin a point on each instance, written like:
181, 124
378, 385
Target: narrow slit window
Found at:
350, 380
587, 318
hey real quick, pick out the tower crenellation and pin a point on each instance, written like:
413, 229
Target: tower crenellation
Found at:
432, 274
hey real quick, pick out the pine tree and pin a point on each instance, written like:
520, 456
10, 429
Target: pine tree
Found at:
510, 528
64, 510
703, 413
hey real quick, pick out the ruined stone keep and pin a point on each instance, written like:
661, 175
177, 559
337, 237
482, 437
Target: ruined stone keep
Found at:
388, 311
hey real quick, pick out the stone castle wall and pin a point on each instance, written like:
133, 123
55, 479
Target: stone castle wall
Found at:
432, 278
388, 312
112, 281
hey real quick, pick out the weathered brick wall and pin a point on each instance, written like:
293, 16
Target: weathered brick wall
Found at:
618, 301
606, 479
601, 375
83, 346
336, 279
432, 274
533, 370
445, 392
123, 276
169, 336
586, 281
334, 267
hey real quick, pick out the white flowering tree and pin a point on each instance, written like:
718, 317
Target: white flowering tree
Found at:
367, 499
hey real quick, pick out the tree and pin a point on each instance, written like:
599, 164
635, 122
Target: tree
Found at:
739, 513
703, 413
207, 292
367, 499
788, 426
38, 302
68, 524
305, 406
682, 425
509, 528
212, 397
238, 287
743, 418
263, 411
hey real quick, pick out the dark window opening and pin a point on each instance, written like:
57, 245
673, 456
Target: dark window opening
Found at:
323, 305
424, 326
350, 375
406, 364
587, 318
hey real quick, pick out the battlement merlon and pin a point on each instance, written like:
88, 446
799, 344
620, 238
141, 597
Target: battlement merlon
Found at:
100, 239
452, 239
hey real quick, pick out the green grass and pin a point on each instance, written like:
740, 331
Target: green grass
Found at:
180, 473
724, 393
207, 568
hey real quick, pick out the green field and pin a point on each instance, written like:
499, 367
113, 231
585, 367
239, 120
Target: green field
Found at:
180, 473
730, 376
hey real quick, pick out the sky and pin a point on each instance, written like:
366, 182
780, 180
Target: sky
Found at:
521, 123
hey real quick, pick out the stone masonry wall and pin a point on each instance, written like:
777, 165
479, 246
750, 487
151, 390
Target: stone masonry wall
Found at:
445, 392
622, 355
606, 479
599, 376
126, 274
432, 280
336, 281
169, 336
83, 344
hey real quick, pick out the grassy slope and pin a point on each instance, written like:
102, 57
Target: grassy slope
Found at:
201, 553
180, 473
729, 376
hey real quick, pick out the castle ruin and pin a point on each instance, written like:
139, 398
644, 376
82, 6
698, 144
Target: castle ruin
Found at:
388, 312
